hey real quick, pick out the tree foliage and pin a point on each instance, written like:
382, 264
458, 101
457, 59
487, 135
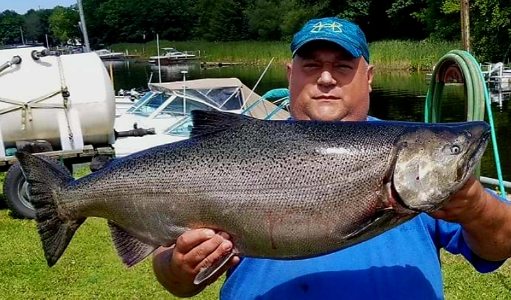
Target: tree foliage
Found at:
63, 24
113, 21
10, 27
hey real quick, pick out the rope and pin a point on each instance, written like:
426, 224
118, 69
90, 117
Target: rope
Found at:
26, 107
461, 66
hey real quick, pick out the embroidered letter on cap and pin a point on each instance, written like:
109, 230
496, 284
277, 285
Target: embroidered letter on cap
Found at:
334, 26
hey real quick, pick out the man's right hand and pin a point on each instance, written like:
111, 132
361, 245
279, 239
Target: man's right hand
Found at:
176, 267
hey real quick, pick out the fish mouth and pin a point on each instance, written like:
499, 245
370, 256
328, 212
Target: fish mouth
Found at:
476, 155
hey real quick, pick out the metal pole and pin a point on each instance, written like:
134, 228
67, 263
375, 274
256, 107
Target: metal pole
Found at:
22, 38
465, 24
184, 91
83, 26
158, 55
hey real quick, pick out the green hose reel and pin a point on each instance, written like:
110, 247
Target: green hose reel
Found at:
460, 66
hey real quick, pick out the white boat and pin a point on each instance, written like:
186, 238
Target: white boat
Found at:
166, 109
498, 76
171, 55
106, 54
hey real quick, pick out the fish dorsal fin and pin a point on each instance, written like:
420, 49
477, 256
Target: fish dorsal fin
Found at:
206, 122
129, 248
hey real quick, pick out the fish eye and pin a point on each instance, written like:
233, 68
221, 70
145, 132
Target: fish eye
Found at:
455, 149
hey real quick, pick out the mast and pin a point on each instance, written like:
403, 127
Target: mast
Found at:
83, 26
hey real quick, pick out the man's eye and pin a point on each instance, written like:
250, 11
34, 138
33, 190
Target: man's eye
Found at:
343, 67
311, 65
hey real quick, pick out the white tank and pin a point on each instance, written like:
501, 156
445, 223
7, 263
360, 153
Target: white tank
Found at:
34, 104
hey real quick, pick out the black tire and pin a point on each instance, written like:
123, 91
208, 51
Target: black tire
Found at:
16, 193
99, 162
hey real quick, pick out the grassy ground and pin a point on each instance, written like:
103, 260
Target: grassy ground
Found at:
395, 55
90, 269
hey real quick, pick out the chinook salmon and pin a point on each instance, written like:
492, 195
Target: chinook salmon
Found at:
281, 189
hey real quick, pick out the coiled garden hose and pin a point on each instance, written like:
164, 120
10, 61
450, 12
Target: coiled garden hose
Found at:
461, 66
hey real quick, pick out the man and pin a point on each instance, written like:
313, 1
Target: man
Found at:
330, 79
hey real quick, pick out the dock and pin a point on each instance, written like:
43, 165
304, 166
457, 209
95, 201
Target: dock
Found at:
498, 76
213, 64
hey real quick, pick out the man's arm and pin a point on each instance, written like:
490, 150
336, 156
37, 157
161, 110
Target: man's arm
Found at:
486, 221
176, 267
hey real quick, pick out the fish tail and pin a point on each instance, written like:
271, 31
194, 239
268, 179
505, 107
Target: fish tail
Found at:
44, 178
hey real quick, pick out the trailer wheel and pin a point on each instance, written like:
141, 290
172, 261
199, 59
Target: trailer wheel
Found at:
16, 193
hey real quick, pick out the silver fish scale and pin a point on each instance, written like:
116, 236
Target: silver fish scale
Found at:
280, 189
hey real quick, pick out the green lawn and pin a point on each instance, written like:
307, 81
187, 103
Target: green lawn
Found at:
91, 269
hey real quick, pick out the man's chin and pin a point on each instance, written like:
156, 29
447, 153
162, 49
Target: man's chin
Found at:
327, 117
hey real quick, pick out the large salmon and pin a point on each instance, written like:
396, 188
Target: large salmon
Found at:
281, 189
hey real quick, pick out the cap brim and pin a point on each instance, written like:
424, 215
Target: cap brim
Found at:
346, 45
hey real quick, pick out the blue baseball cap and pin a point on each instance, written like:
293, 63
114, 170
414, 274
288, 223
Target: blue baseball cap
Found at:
339, 31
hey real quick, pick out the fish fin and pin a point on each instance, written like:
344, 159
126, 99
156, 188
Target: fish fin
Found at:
205, 273
129, 248
383, 216
44, 177
206, 122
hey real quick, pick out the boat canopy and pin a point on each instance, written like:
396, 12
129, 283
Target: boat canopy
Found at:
222, 93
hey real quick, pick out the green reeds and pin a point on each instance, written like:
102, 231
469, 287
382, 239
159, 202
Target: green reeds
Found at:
409, 55
385, 55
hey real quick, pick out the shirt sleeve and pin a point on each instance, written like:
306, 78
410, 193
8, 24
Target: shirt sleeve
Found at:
449, 236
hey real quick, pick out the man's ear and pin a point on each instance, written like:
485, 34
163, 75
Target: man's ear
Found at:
288, 70
370, 70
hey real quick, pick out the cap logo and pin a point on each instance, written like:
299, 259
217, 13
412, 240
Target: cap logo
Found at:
334, 27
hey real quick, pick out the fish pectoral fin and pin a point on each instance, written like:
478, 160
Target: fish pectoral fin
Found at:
129, 248
205, 273
382, 217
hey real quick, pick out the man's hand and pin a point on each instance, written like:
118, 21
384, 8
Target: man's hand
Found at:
465, 205
177, 266
486, 221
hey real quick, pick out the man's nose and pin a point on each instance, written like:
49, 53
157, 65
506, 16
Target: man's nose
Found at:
326, 78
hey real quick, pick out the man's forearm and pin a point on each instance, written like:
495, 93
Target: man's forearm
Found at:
488, 234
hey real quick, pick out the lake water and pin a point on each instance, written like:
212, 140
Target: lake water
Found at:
395, 96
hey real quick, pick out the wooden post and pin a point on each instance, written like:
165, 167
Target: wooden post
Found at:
465, 25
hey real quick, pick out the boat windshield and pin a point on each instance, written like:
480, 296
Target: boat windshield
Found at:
178, 108
222, 98
148, 104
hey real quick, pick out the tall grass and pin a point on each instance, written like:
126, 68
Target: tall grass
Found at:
393, 55
409, 55
249, 52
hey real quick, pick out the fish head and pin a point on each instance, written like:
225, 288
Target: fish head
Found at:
434, 161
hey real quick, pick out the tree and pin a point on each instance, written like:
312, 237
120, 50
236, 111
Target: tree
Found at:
10, 25
63, 23
36, 24
221, 20
264, 19
491, 29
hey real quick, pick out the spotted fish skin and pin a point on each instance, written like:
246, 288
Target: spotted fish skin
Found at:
281, 189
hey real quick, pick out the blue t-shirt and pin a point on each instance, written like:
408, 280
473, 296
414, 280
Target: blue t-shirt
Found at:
402, 263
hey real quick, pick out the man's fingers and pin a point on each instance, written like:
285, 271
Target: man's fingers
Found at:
193, 238
222, 250
209, 251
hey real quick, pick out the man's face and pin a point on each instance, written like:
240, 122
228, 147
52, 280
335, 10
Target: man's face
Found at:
328, 84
